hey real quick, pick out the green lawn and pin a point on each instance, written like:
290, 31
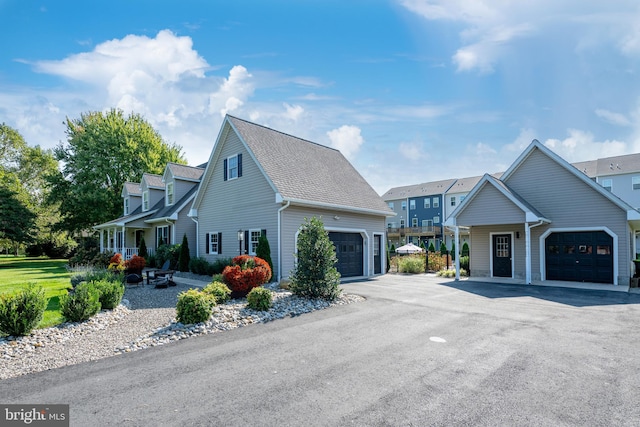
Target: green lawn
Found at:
51, 274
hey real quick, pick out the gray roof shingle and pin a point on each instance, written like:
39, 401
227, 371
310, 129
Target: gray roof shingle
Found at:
186, 172
304, 170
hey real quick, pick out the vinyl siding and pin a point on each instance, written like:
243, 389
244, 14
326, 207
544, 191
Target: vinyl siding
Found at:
480, 251
180, 188
622, 186
490, 207
244, 203
569, 203
185, 226
294, 216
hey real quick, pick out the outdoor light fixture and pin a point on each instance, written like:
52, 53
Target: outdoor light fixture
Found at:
240, 239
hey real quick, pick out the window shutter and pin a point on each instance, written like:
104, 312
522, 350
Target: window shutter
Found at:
219, 243
246, 241
239, 165
169, 242
207, 243
263, 232
225, 169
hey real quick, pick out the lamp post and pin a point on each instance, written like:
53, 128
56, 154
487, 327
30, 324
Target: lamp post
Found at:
240, 239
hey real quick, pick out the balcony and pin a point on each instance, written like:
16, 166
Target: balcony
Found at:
429, 230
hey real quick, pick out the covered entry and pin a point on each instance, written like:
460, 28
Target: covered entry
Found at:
350, 253
582, 256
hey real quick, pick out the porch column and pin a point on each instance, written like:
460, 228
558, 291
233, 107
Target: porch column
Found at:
101, 241
124, 244
457, 242
527, 254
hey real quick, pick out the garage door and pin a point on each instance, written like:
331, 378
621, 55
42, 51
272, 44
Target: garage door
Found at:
585, 256
349, 251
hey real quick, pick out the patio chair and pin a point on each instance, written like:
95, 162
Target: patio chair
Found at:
161, 277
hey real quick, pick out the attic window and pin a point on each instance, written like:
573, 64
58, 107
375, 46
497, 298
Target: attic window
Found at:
126, 206
233, 167
145, 200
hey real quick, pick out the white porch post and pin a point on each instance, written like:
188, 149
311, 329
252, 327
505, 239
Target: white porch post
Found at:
457, 242
101, 241
124, 245
527, 256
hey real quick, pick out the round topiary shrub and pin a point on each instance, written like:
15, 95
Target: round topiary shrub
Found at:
194, 307
82, 304
245, 273
259, 299
135, 265
110, 293
219, 291
21, 313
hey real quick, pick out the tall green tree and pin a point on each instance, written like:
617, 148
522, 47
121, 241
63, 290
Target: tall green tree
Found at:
102, 152
315, 274
17, 221
184, 257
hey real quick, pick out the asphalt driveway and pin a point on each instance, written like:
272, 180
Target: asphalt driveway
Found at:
420, 351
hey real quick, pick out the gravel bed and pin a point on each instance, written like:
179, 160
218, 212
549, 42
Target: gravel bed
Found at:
146, 318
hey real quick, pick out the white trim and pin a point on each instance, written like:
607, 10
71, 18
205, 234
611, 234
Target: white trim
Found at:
543, 236
173, 193
211, 252
228, 172
512, 247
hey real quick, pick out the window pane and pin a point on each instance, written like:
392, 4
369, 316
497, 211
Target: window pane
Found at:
604, 250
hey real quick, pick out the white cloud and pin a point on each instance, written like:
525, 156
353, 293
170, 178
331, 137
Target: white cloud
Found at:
491, 27
293, 112
613, 118
413, 151
347, 139
581, 145
233, 91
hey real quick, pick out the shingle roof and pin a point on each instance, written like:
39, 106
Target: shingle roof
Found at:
417, 190
133, 188
617, 165
154, 181
306, 171
167, 211
186, 172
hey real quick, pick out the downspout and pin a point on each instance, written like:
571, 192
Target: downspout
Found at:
195, 219
280, 238
527, 245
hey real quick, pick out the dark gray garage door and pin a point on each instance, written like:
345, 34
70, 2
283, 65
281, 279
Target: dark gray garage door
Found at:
585, 256
349, 251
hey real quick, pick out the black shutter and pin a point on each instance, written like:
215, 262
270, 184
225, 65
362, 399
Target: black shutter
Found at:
225, 169
207, 243
169, 235
246, 241
219, 243
239, 165
263, 232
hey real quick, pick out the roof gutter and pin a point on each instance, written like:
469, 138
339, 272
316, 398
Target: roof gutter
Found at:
338, 207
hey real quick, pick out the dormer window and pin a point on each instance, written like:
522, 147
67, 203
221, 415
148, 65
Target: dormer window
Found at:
126, 206
170, 193
145, 200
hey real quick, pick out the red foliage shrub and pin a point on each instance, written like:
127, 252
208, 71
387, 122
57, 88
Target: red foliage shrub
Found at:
245, 273
116, 259
135, 264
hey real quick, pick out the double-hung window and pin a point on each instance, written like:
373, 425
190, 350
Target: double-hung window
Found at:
213, 243
453, 200
169, 193
233, 167
145, 200
126, 206
635, 182
254, 238
162, 235
427, 202
607, 184
436, 202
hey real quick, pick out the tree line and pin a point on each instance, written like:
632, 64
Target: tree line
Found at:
51, 198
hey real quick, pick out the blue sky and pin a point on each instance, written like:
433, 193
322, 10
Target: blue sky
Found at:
409, 90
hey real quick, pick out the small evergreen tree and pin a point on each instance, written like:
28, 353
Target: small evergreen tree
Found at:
432, 248
142, 250
184, 257
263, 250
465, 249
453, 251
422, 246
443, 248
393, 249
315, 274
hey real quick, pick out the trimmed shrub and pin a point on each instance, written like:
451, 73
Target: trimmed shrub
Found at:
194, 307
21, 313
246, 273
116, 263
263, 250
464, 262
432, 248
451, 273
411, 264
219, 265
82, 304
219, 291
142, 250
315, 274
199, 266
110, 293
168, 252
217, 278
465, 249
259, 299
443, 248
184, 257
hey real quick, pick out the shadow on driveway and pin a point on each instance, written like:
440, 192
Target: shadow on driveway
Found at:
567, 296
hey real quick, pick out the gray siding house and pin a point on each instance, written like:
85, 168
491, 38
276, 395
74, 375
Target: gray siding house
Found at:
154, 209
260, 181
545, 220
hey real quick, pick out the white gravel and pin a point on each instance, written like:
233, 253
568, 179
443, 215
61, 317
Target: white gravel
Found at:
146, 318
